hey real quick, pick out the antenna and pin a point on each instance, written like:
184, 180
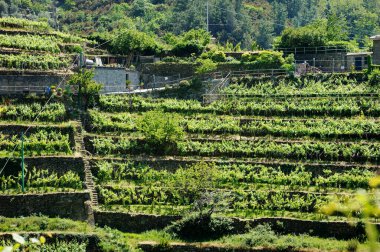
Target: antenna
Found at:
208, 22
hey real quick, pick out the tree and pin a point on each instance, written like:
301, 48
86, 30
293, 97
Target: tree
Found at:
88, 89
134, 42
161, 130
205, 66
191, 42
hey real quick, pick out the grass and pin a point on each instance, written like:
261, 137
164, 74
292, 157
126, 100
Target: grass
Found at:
263, 236
42, 223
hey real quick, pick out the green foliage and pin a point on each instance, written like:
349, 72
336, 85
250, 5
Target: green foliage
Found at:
184, 83
374, 78
191, 42
205, 66
16, 23
52, 112
87, 87
199, 228
214, 55
160, 129
264, 59
134, 42
308, 36
34, 62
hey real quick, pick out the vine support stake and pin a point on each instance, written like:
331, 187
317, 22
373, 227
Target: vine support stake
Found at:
22, 164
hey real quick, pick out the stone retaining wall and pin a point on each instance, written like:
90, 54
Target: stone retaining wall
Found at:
59, 165
133, 223
17, 84
142, 222
64, 205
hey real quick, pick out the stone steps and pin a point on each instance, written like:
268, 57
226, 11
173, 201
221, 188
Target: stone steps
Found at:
88, 178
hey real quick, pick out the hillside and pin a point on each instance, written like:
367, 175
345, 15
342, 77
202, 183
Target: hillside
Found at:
31, 45
236, 21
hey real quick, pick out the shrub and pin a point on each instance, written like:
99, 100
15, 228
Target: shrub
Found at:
374, 78
184, 83
160, 129
262, 236
246, 57
205, 66
219, 56
89, 88
201, 227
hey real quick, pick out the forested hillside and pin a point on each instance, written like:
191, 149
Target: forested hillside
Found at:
249, 22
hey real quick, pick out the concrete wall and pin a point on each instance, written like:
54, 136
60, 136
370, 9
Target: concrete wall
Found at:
64, 205
351, 60
327, 62
113, 79
376, 52
16, 84
134, 78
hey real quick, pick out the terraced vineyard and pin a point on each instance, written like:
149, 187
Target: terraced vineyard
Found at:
293, 136
263, 166
34, 45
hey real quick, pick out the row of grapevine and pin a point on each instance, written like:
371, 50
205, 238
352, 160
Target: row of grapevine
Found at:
52, 112
41, 178
237, 199
34, 62
347, 107
37, 144
211, 124
37, 42
237, 175
302, 150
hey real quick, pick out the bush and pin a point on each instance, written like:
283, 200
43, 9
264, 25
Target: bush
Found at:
219, 56
186, 49
374, 78
265, 59
205, 66
184, 83
201, 227
261, 236
160, 129
134, 42
246, 57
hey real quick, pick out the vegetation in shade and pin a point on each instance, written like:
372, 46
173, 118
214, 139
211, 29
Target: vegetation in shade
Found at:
33, 62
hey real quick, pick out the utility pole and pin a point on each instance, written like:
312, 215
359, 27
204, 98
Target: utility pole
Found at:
22, 164
208, 22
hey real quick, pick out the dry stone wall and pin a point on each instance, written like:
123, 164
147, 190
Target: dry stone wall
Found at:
64, 205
